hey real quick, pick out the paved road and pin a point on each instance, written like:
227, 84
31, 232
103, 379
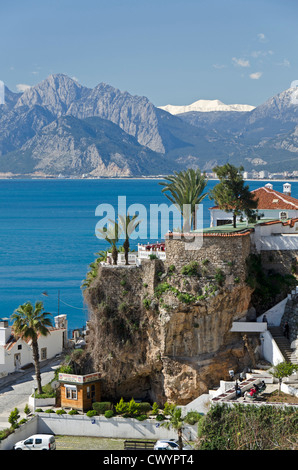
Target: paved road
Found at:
16, 388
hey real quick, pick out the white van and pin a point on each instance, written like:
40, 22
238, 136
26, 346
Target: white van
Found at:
37, 442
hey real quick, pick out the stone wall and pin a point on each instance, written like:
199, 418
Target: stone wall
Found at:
291, 316
280, 261
226, 252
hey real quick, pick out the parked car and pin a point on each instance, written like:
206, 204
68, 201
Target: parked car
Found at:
37, 442
170, 444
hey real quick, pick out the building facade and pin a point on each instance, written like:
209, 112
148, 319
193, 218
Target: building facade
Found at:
272, 205
16, 352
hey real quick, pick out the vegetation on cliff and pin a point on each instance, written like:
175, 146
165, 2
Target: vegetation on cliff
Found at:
249, 428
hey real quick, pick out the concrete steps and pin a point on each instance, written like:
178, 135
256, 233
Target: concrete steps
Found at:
283, 344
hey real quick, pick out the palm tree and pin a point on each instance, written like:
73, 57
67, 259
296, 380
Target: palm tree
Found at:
30, 322
186, 192
176, 422
127, 224
111, 234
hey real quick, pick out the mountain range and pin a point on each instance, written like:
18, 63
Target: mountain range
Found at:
61, 127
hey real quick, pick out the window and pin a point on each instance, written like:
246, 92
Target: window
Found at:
71, 392
88, 392
38, 441
28, 442
43, 353
19, 346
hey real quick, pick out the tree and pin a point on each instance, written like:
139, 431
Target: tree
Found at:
186, 188
29, 322
283, 369
127, 224
111, 234
231, 194
176, 422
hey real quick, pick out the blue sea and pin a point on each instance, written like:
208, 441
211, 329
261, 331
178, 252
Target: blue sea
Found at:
48, 236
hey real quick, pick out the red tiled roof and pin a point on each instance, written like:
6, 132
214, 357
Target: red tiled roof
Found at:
272, 199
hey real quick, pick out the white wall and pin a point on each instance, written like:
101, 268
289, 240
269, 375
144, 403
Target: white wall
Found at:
117, 427
270, 350
24, 431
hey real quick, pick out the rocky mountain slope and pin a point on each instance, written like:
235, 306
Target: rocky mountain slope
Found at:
46, 128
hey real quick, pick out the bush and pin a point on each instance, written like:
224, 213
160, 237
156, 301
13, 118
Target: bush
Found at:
50, 411
160, 417
191, 269
248, 428
60, 412
73, 412
141, 417
91, 413
39, 410
102, 406
23, 421
146, 303
5, 433
144, 407
121, 407
109, 413
192, 417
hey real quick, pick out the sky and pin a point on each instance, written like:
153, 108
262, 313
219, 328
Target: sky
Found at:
171, 51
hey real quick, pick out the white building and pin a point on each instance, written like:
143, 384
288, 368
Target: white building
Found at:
16, 352
272, 205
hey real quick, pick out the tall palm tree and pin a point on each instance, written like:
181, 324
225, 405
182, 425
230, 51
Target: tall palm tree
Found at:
30, 322
127, 224
176, 422
185, 190
111, 234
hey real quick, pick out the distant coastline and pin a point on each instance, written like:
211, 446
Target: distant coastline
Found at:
73, 178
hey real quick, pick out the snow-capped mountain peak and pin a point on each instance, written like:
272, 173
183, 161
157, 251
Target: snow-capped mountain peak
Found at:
205, 106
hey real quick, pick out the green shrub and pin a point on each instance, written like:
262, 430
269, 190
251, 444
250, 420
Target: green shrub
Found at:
91, 413
144, 407
102, 406
49, 411
191, 269
146, 303
39, 410
60, 412
121, 407
23, 421
109, 413
4, 433
192, 417
219, 277
73, 412
161, 288
27, 410
13, 418
160, 417
141, 417
248, 428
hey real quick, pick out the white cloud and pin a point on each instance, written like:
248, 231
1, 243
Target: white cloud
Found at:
285, 63
262, 37
241, 62
256, 75
22, 87
257, 54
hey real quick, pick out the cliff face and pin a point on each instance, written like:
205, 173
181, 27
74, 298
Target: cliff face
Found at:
157, 334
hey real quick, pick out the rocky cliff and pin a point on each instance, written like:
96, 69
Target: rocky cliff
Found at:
163, 334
